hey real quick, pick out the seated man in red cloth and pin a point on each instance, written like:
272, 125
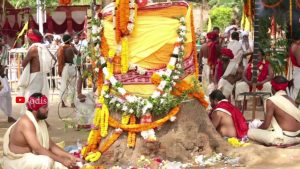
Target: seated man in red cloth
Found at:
26, 144
264, 75
281, 125
226, 118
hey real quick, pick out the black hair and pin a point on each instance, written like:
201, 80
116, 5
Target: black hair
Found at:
280, 79
217, 95
67, 38
216, 28
235, 35
37, 95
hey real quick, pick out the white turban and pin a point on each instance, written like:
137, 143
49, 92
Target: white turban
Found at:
245, 33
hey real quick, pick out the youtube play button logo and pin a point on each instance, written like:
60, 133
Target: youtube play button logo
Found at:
20, 99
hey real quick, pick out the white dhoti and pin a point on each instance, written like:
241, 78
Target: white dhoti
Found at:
242, 87
36, 82
205, 75
294, 92
225, 87
29, 160
5, 97
68, 83
275, 135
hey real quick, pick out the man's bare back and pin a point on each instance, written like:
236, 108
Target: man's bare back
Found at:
204, 51
32, 57
18, 143
69, 54
226, 126
286, 121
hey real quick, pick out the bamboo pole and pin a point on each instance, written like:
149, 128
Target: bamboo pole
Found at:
255, 55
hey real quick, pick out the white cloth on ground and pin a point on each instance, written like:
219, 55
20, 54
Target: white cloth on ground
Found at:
5, 97
275, 135
68, 83
29, 160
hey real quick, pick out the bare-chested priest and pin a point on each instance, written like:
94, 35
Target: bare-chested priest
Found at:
226, 118
27, 145
281, 125
67, 70
36, 64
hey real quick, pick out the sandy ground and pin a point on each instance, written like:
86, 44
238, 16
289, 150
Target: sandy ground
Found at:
253, 156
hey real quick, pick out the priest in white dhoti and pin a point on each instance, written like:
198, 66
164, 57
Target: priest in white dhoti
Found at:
281, 125
27, 145
5, 96
36, 64
236, 47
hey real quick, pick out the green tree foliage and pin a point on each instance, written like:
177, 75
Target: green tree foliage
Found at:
221, 16
49, 3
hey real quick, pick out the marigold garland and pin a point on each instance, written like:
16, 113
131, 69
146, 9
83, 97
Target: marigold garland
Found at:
125, 118
124, 17
117, 23
110, 141
194, 48
124, 55
104, 45
183, 86
155, 79
143, 127
131, 135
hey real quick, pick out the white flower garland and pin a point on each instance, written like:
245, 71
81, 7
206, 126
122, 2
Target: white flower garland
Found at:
134, 104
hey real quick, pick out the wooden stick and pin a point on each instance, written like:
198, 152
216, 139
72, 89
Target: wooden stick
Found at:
254, 101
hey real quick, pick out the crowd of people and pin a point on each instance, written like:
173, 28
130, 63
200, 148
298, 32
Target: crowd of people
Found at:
227, 75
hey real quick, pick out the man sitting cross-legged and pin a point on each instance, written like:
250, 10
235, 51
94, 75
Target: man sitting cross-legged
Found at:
27, 145
227, 119
264, 75
281, 125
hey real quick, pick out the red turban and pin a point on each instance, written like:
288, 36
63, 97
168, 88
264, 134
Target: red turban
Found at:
212, 35
279, 86
227, 52
33, 36
36, 103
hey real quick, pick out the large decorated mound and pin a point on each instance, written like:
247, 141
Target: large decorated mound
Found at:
190, 135
146, 60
